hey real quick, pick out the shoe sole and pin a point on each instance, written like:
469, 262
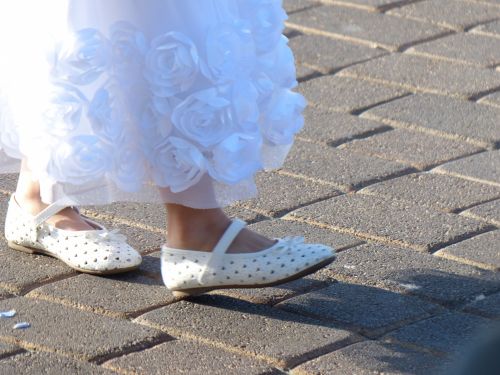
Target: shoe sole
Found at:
184, 293
30, 250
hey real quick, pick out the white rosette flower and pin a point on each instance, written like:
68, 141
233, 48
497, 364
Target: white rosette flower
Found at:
66, 107
245, 98
283, 117
204, 117
82, 58
236, 158
177, 164
230, 52
80, 160
106, 113
279, 64
267, 19
129, 46
129, 172
172, 64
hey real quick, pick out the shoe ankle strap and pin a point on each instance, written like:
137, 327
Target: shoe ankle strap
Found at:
48, 212
221, 247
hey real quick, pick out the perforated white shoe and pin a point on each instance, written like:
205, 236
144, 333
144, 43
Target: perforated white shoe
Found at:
190, 272
99, 251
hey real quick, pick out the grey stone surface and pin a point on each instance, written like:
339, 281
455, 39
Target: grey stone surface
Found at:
492, 99
489, 212
312, 234
280, 338
373, 29
444, 116
444, 334
335, 128
405, 224
118, 296
274, 295
367, 310
443, 192
343, 94
481, 251
39, 363
372, 357
489, 29
8, 182
292, 192
372, 5
80, 334
298, 5
7, 350
20, 271
407, 271
345, 169
456, 15
488, 306
483, 167
415, 148
421, 74
326, 55
186, 357
462, 47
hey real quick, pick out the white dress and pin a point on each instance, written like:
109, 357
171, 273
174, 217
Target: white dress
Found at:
179, 101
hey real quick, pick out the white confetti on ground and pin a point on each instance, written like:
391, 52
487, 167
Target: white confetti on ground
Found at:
410, 286
7, 314
349, 267
22, 325
479, 297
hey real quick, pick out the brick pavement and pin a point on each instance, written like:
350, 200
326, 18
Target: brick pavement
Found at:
398, 167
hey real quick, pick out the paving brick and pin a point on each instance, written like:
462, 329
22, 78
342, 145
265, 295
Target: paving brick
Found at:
371, 357
278, 337
456, 15
407, 271
344, 94
489, 29
443, 192
298, 5
335, 128
72, 332
489, 212
383, 219
8, 182
443, 334
118, 296
415, 148
481, 251
312, 234
326, 55
34, 363
492, 99
487, 306
373, 29
421, 74
483, 167
343, 168
367, 310
280, 193
185, 357
443, 116
20, 271
462, 47
305, 73
371, 5
7, 350
151, 265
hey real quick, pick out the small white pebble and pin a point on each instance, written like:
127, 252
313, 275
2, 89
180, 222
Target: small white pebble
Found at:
7, 314
349, 267
410, 286
479, 297
22, 325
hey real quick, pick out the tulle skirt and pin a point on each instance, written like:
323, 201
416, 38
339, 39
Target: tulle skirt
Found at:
178, 101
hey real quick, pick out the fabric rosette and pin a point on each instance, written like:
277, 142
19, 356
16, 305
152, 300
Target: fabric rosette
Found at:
172, 64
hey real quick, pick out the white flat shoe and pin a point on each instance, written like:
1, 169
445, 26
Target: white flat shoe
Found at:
190, 272
99, 251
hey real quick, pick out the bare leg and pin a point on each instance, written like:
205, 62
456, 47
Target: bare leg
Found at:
28, 196
200, 229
